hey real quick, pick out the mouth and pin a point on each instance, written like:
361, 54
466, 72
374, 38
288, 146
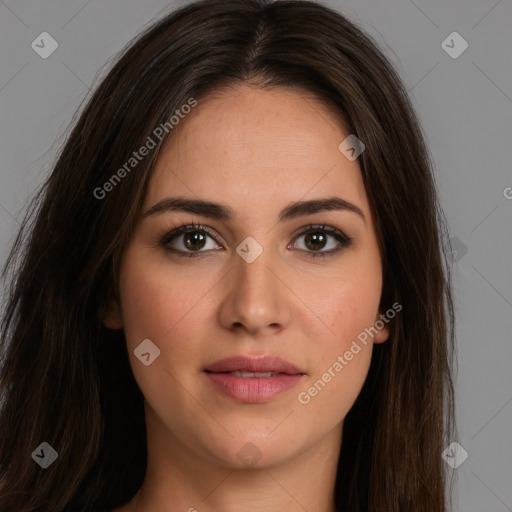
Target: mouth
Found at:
246, 375
254, 366
253, 380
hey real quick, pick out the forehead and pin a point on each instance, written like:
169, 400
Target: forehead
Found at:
256, 147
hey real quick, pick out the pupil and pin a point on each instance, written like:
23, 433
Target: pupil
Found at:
317, 240
192, 238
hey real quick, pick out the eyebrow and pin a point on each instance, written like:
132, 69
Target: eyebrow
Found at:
222, 212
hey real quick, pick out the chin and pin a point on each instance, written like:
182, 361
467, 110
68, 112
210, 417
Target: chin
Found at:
257, 452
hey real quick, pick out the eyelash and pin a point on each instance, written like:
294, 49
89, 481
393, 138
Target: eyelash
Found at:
169, 236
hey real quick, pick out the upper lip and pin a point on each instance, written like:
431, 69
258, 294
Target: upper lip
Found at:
254, 364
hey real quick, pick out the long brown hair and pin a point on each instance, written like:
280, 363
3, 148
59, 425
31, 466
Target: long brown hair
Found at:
66, 380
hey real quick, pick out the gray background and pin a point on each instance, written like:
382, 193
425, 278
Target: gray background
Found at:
464, 105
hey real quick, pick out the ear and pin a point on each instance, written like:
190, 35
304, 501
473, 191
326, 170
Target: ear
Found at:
383, 333
112, 318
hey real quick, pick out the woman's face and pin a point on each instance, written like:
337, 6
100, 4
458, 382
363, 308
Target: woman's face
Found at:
251, 286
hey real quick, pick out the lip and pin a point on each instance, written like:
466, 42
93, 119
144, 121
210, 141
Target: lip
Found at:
254, 364
253, 389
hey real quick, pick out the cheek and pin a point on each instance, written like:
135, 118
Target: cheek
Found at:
163, 308
157, 299
341, 360
168, 306
349, 306
347, 302
159, 307
146, 306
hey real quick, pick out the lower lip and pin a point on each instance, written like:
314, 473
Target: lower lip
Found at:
253, 390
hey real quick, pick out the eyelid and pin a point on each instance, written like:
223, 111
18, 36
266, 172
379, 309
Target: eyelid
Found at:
170, 234
343, 240
175, 231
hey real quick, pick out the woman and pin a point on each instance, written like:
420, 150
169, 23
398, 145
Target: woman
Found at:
232, 291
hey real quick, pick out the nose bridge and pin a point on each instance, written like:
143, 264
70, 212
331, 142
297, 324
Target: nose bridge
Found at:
256, 298
255, 283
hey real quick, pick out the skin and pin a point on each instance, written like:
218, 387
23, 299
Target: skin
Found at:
255, 151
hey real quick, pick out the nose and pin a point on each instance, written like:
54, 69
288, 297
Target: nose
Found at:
256, 297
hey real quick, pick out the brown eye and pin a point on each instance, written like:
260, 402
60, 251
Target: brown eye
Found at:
190, 239
317, 238
194, 240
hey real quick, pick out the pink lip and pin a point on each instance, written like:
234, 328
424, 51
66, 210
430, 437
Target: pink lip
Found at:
253, 364
253, 389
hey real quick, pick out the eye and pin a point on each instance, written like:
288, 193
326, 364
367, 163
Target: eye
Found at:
194, 239
189, 240
317, 238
